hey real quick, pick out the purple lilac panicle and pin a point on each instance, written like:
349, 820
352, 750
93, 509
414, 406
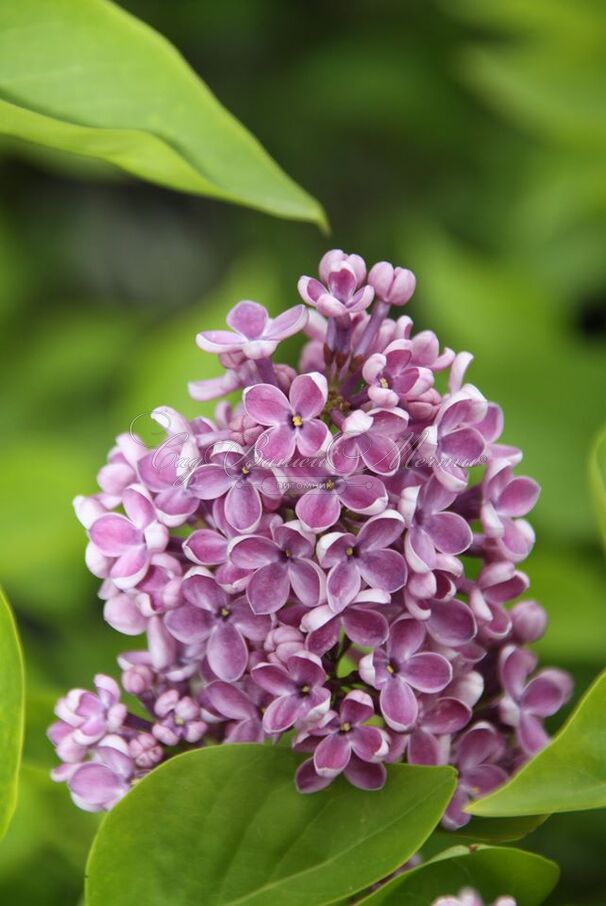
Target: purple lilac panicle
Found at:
335, 557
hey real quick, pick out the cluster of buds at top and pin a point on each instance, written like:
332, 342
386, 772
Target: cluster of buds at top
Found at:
336, 558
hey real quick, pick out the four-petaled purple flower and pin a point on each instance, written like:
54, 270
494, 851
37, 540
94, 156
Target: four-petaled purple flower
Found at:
279, 564
299, 690
351, 559
401, 668
253, 333
293, 422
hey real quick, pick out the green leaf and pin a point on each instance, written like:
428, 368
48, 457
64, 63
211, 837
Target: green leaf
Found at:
11, 713
225, 825
568, 775
492, 871
85, 76
493, 830
597, 480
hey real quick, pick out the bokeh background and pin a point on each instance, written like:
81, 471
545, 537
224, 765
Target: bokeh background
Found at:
465, 140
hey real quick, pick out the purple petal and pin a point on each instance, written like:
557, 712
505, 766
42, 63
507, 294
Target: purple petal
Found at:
424, 748
519, 497
451, 623
380, 454
343, 585
273, 679
267, 405
406, 637
276, 445
307, 780
312, 437
229, 701
365, 627
531, 734
189, 624
253, 551
449, 532
368, 743
306, 669
357, 707
305, 578
248, 318
384, 569
138, 507
243, 508
546, 693
381, 531
448, 715
364, 775
363, 494
210, 481
398, 704
282, 713
308, 394
290, 321
206, 547
269, 588
318, 509
332, 755
113, 534
427, 672
227, 652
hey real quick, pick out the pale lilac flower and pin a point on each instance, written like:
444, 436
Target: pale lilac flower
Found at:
401, 668
343, 737
299, 690
367, 557
229, 702
293, 421
477, 751
85, 717
527, 703
97, 785
320, 506
362, 622
432, 527
279, 564
253, 333
129, 541
393, 376
505, 497
179, 718
210, 615
367, 441
233, 474
470, 897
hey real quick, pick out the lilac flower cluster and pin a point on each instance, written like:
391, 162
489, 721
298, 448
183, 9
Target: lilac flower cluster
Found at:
333, 559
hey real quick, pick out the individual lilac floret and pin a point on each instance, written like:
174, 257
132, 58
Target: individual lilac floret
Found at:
299, 690
253, 333
293, 422
279, 566
345, 744
333, 561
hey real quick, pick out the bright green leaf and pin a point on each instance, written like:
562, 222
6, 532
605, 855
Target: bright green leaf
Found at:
568, 775
85, 76
493, 830
11, 713
492, 871
226, 826
597, 479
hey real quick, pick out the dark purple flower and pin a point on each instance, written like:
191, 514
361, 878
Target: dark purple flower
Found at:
366, 557
477, 751
293, 423
299, 690
210, 615
279, 564
401, 668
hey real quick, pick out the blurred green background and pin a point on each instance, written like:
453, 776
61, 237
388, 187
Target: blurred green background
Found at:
465, 140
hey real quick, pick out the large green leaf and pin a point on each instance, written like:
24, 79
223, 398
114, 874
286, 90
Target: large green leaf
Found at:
226, 825
597, 479
11, 713
85, 76
492, 871
568, 775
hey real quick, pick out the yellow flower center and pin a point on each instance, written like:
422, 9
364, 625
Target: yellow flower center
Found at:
297, 421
